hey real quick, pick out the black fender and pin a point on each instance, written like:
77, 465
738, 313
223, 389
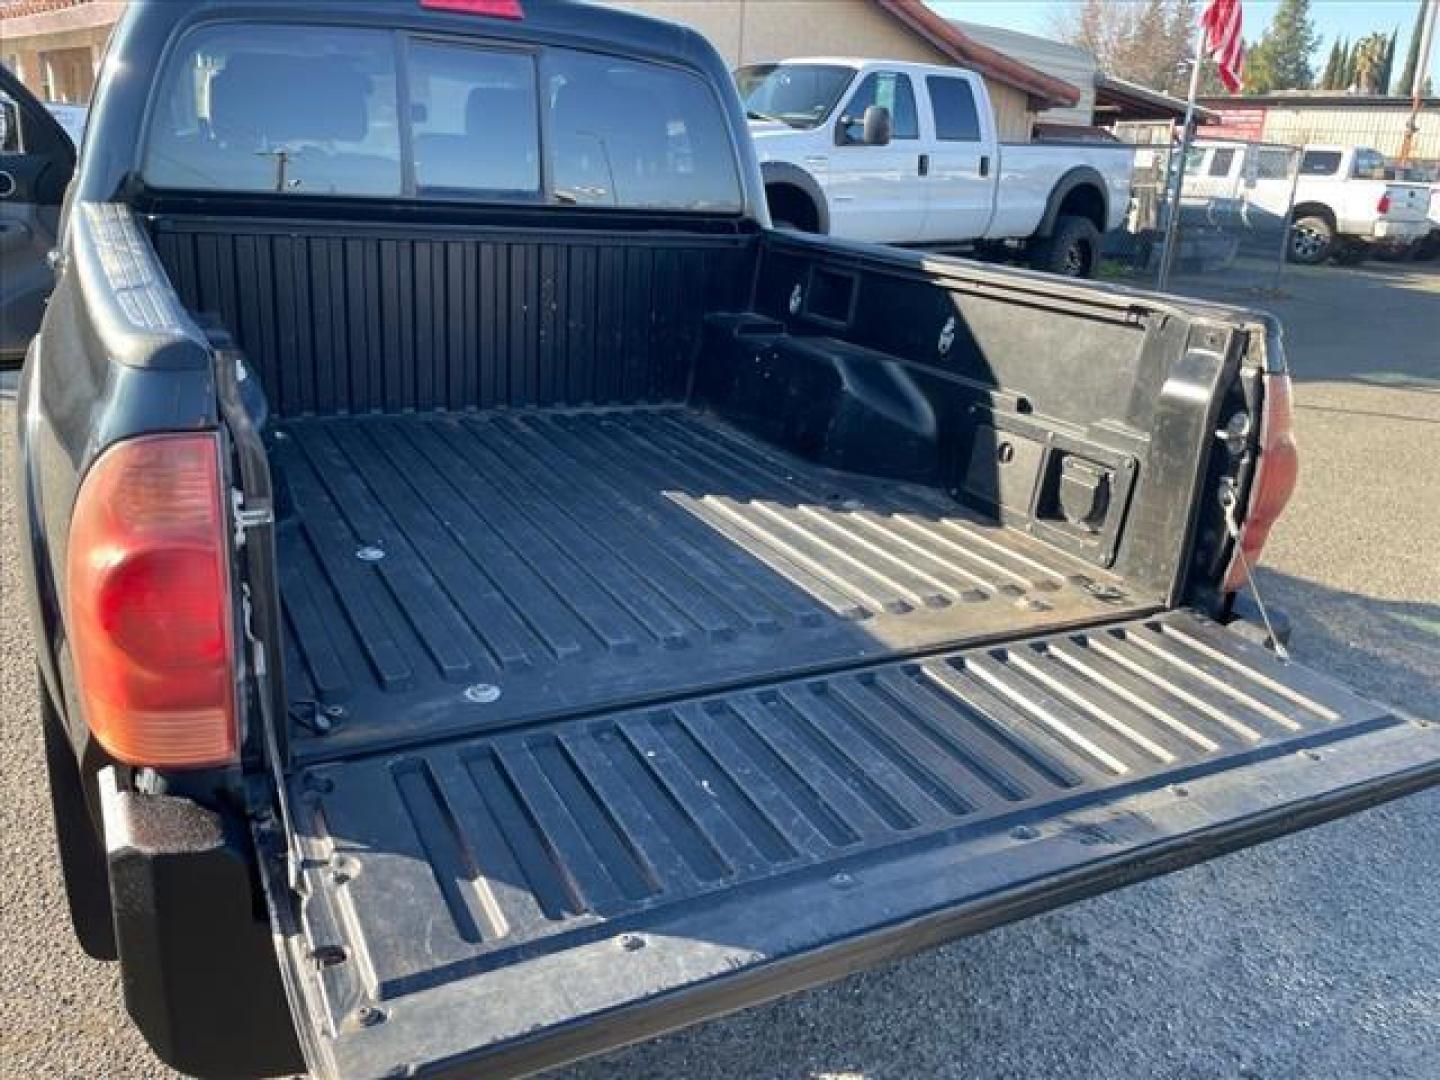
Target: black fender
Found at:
783, 172
36, 576
1079, 176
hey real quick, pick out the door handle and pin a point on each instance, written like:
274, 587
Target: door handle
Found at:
984, 164
924, 164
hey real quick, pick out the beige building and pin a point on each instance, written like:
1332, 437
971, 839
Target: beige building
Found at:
55, 46
755, 31
1300, 118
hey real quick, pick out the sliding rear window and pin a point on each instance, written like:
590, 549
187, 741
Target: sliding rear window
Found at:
300, 111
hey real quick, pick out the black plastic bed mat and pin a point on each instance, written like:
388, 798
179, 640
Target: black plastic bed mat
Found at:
447, 572
513, 901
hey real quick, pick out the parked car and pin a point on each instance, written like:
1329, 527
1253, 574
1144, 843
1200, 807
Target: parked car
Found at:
905, 153
36, 160
1344, 206
495, 599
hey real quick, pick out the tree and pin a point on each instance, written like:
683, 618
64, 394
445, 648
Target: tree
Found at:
1149, 42
1412, 55
1281, 60
1369, 64
1332, 67
1180, 42
1387, 67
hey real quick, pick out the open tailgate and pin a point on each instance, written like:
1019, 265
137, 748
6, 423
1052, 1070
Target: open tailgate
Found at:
513, 901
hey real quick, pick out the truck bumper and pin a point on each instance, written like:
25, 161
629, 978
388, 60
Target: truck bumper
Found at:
1399, 233
197, 962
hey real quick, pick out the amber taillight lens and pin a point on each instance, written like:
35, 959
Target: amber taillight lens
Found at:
148, 603
1275, 478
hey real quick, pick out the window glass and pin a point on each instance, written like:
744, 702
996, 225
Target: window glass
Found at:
636, 135
475, 120
1369, 165
1320, 163
1194, 159
956, 118
891, 90
1273, 164
1221, 161
294, 110
800, 95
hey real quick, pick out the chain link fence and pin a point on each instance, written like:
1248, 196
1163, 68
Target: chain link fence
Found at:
1235, 228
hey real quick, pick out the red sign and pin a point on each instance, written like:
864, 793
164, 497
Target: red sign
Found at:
1245, 122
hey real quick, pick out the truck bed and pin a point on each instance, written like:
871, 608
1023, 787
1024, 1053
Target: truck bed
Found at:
458, 572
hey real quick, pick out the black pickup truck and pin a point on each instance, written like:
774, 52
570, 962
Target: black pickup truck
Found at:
495, 599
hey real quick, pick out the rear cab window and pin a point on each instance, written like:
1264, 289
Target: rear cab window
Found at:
1221, 161
1320, 163
309, 111
956, 117
1369, 165
475, 120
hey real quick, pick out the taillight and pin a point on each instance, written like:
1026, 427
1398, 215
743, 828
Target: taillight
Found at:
148, 599
1275, 477
1383, 206
497, 9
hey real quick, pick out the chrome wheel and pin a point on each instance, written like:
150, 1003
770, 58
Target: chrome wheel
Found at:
1311, 240
1308, 242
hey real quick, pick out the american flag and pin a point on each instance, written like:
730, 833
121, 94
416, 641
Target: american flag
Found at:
1221, 25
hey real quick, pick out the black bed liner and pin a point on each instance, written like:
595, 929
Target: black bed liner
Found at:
447, 572
514, 900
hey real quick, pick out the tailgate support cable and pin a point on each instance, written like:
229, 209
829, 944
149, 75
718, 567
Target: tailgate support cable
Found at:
255, 525
1228, 503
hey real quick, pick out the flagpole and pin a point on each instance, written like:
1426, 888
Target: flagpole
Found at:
1172, 220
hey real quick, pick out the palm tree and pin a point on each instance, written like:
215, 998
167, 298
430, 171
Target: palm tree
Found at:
1370, 63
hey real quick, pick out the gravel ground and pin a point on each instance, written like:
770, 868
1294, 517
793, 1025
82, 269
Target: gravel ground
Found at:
1313, 956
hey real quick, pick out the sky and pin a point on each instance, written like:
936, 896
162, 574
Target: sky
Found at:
1333, 18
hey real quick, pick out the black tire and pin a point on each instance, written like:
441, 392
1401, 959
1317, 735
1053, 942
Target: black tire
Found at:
1312, 238
82, 855
1351, 254
1071, 250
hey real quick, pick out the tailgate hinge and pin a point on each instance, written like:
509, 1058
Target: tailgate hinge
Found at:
247, 517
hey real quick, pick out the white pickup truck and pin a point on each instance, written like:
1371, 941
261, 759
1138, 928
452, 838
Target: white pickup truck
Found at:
907, 153
1344, 206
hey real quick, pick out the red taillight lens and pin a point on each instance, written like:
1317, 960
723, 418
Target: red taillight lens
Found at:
1275, 477
1383, 206
148, 599
496, 9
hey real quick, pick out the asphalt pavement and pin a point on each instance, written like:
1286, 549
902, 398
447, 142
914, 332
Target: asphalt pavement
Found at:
1312, 956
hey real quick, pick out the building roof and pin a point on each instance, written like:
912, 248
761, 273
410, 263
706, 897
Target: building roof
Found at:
1058, 59
1301, 99
949, 39
25, 18
14, 9
1119, 99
